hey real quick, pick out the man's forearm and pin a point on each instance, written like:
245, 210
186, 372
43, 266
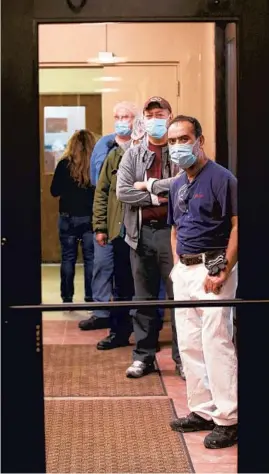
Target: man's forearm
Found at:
159, 186
135, 198
174, 244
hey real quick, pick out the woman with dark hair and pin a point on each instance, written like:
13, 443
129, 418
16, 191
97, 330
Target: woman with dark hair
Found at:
72, 184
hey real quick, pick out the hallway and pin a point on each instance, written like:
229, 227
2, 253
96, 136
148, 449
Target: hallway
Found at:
60, 329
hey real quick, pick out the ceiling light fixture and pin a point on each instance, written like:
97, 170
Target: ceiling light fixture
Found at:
106, 57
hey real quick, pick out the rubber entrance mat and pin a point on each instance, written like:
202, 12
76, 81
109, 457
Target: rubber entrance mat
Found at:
83, 371
113, 436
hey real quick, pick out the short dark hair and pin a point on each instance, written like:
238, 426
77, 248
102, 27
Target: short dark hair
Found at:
195, 123
153, 105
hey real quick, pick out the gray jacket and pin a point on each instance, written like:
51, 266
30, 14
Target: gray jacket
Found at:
133, 167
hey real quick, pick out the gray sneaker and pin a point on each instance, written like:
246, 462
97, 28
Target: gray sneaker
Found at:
138, 369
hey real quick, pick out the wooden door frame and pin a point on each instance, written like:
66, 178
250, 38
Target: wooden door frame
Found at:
65, 100
22, 371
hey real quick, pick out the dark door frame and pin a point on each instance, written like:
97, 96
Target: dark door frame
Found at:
23, 448
220, 95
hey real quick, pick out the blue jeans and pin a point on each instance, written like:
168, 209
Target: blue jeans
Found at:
72, 230
102, 279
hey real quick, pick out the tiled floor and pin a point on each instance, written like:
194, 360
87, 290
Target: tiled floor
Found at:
51, 292
61, 328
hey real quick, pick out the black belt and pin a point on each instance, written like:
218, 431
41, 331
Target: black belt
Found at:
154, 224
190, 259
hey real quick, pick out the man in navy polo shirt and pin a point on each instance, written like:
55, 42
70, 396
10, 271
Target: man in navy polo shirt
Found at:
203, 215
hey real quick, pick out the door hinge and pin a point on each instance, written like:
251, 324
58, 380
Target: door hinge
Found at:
178, 88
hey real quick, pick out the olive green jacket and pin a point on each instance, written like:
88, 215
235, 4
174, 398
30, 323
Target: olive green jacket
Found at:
108, 211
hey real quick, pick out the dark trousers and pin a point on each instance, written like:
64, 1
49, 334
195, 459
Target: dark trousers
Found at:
103, 275
162, 296
120, 320
151, 261
73, 230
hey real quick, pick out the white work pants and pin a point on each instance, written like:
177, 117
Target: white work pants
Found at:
206, 347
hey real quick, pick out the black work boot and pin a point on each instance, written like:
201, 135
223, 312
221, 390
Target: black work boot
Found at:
111, 342
93, 323
192, 422
222, 437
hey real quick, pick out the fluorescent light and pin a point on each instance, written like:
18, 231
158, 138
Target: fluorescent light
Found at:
107, 79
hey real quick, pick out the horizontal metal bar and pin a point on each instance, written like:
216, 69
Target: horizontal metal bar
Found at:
140, 304
84, 65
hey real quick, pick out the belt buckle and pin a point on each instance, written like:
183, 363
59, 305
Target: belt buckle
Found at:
153, 223
193, 260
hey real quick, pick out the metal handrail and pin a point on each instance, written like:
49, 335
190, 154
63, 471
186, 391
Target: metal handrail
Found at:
140, 304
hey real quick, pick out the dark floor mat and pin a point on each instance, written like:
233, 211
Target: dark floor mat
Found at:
113, 436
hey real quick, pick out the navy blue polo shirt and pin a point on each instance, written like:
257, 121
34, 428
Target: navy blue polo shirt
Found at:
202, 210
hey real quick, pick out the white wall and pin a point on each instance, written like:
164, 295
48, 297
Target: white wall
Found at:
68, 80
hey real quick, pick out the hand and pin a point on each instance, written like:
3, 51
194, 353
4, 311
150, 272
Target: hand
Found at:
101, 239
176, 260
141, 185
213, 284
162, 200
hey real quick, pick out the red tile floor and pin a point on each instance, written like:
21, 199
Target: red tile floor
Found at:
204, 460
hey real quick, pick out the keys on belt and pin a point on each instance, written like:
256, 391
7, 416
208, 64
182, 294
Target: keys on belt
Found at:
189, 259
215, 260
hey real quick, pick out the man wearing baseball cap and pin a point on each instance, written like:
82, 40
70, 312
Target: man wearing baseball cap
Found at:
147, 231
162, 103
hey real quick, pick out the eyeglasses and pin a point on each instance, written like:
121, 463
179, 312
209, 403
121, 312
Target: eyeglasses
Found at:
183, 197
122, 117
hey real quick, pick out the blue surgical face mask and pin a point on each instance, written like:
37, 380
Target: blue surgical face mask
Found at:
182, 154
122, 128
156, 128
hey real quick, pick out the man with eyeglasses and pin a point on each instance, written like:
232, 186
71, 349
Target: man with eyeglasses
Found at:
103, 269
203, 215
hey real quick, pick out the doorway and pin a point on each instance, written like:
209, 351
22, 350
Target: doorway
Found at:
21, 362
60, 116
185, 77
